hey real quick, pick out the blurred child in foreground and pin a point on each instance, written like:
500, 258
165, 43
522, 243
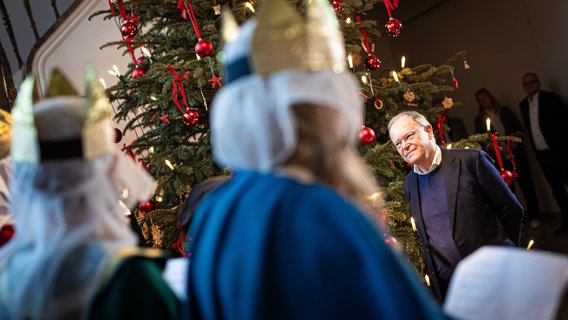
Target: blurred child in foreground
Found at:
286, 237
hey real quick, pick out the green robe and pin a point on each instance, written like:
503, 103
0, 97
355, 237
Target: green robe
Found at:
135, 289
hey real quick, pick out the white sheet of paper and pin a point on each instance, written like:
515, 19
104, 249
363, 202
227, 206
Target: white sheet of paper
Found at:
507, 283
175, 274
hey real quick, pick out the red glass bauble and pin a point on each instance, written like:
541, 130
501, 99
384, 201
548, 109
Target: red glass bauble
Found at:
336, 5
372, 62
393, 27
203, 48
507, 176
455, 82
6, 233
146, 207
140, 61
117, 135
366, 135
190, 117
137, 72
129, 30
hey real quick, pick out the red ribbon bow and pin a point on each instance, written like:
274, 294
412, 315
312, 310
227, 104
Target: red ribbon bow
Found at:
130, 49
511, 155
187, 13
178, 85
390, 6
178, 245
440, 125
365, 37
496, 148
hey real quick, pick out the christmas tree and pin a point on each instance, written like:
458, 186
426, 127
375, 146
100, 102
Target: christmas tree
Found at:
175, 72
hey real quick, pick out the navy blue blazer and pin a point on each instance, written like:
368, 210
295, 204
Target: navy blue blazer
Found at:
553, 118
484, 211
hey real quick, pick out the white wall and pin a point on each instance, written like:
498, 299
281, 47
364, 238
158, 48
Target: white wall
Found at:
77, 44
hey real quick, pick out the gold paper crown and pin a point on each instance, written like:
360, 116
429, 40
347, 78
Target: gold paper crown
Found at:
282, 40
5, 133
95, 136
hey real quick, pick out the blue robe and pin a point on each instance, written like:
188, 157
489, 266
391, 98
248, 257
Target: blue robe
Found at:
268, 247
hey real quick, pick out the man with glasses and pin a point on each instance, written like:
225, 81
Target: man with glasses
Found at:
545, 116
457, 198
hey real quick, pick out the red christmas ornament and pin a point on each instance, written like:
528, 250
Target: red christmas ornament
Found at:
129, 30
336, 5
507, 176
203, 48
117, 135
366, 135
165, 118
145, 166
378, 103
137, 72
146, 207
215, 81
393, 27
455, 82
372, 62
6, 233
140, 61
190, 117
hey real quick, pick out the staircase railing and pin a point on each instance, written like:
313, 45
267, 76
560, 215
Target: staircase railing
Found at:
7, 90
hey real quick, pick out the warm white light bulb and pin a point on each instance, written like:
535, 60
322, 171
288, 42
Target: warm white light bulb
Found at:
530, 244
115, 68
169, 164
249, 6
146, 52
395, 76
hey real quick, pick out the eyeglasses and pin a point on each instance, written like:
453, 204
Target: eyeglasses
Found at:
409, 136
528, 83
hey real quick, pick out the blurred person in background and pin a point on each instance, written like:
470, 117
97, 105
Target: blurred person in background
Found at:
504, 121
546, 119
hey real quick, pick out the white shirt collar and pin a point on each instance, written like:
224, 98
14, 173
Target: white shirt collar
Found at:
435, 163
534, 98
